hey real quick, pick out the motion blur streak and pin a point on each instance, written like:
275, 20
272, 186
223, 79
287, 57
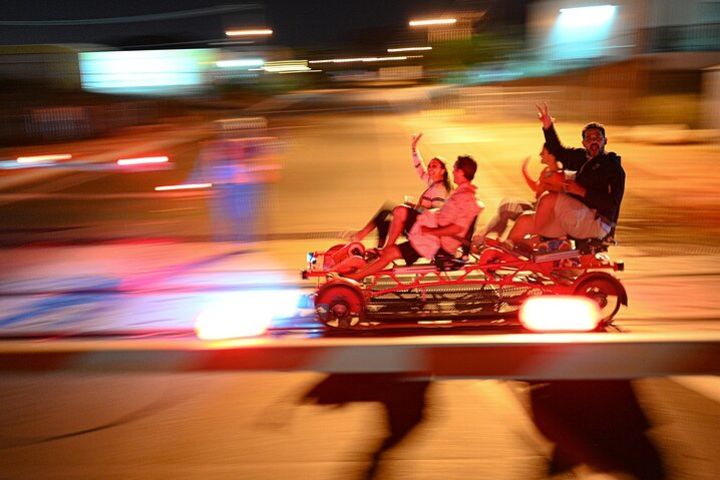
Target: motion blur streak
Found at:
434, 21
247, 62
360, 59
408, 49
142, 160
44, 158
559, 314
186, 186
242, 33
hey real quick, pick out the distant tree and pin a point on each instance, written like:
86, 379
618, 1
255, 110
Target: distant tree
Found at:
461, 54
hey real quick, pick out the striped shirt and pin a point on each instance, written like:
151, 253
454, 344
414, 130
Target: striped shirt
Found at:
435, 194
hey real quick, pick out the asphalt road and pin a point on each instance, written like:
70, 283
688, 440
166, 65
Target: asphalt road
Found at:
281, 425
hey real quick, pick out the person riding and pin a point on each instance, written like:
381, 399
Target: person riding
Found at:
511, 209
588, 204
391, 221
435, 230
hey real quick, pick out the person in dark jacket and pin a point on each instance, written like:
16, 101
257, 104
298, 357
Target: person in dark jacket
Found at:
587, 204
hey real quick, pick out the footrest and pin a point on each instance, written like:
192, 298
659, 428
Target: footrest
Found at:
554, 256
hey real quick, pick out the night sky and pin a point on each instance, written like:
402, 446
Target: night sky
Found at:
295, 22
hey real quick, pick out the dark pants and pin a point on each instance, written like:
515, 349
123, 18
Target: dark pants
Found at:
383, 218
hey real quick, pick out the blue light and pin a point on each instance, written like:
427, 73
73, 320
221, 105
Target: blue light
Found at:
582, 33
160, 72
586, 16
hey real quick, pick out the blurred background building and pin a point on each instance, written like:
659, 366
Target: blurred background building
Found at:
651, 61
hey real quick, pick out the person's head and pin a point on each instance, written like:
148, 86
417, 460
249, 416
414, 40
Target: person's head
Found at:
437, 169
464, 169
547, 158
594, 139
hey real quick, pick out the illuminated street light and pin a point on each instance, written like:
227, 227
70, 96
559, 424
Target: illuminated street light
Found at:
243, 62
286, 66
185, 186
44, 158
408, 49
258, 32
586, 16
142, 160
433, 21
362, 59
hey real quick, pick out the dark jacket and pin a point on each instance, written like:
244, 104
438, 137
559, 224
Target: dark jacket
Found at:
602, 176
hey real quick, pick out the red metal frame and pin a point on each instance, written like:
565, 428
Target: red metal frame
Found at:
553, 273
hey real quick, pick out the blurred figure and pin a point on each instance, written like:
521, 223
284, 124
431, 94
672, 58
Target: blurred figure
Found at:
589, 203
403, 399
391, 221
239, 164
511, 209
597, 423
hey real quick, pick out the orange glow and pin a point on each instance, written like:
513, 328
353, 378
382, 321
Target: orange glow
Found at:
361, 59
142, 160
249, 32
555, 313
44, 158
433, 21
185, 186
408, 49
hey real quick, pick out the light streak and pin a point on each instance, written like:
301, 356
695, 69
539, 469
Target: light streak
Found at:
249, 33
184, 186
433, 21
361, 59
243, 62
408, 49
142, 160
44, 158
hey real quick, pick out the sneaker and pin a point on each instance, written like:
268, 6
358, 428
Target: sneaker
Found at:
553, 245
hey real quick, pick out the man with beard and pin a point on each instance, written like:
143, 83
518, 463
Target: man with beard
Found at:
587, 204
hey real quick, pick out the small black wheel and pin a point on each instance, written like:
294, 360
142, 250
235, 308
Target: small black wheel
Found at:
606, 291
339, 306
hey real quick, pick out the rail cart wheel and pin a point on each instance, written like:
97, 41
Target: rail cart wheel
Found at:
606, 291
339, 306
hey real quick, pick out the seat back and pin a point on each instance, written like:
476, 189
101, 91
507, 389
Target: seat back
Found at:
467, 241
445, 262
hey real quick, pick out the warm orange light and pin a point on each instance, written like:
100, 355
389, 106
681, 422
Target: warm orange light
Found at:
361, 59
184, 186
408, 49
44, 158
432, 21
142, 160
249, 32
556, 313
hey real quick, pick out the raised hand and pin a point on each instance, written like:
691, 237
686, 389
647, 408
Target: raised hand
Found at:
544, 116
415, 139
525, 163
